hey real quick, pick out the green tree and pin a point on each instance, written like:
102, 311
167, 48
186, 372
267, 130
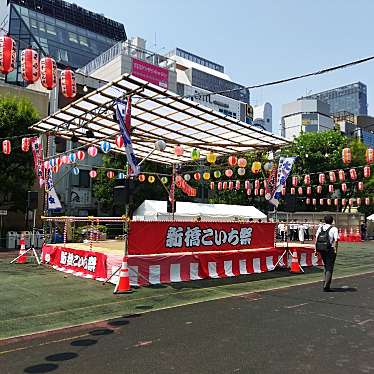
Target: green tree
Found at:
17, 169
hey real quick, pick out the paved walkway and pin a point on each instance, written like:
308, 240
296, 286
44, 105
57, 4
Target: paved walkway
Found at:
295, 330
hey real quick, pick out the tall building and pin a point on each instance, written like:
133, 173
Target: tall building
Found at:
351, 98
305, 116
263, 116
198, 76
72, 35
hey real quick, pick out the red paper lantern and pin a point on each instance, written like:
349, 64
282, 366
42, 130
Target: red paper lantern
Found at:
224, 185
367, 200
178, 150
341, 175
369, 155
80, 155
332, 176
358, 201
360, 186
59, 162
309, 190
237, 185
25, 146
292, 191
110, 174
7, 147
321, 201
344, 187
283, 191
65, 159
257, 184
336, 202
92, 151
247, 185
307, 180
249, 191
8, 53
93, 173
229, 173
141, 178
262, 192
231, 185
212, 186
328, 201
300, 190
233, 160
307, 201
314, 201
321, 178
344, 202
55, 169
331, 188
68, 83
242, 162
353, 174
219, 186
319, 189
30, 65
256, 191
197, 176
346, 156
366, 171
119, 141
295, 181
48, 73
350, 202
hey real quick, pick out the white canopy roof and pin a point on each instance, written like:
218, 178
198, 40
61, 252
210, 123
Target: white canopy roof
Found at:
156, 114
371, 218
157, 210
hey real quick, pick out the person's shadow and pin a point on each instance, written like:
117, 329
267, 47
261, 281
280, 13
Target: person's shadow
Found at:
343, 289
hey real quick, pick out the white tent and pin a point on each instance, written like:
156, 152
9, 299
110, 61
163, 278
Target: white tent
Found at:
157, 210
370, 218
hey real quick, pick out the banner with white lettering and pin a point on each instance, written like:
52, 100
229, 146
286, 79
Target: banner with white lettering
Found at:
37, 151
176, 237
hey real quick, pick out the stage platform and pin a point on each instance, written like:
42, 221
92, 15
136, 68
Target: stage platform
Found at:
106, 257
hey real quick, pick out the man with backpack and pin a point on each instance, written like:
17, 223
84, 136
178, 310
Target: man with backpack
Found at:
327, 246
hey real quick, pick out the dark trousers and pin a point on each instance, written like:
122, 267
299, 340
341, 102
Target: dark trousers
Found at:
328, 262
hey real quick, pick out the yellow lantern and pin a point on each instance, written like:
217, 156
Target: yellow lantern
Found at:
256, 167
151, 179
164, 180
211, 157
206, 176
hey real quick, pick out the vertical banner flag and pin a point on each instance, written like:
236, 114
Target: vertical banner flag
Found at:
53, 200
37, 151
123, 112
271, 184
284, 170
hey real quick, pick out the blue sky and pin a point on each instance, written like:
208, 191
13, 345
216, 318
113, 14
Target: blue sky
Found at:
259, 40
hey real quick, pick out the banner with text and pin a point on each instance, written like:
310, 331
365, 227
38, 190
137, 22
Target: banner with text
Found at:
89, 263
150, 73
175, 237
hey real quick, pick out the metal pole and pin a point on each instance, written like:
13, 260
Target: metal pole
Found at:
172, 191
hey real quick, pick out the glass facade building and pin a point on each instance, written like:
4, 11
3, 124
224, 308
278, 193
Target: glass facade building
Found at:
351, 98
73, 36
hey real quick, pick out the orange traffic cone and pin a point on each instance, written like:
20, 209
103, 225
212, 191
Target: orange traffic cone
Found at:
123, 285
295, 266
22, 250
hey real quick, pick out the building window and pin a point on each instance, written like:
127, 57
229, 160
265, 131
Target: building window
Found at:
83, 41
63, 55
73, 37
33, 23
51, 29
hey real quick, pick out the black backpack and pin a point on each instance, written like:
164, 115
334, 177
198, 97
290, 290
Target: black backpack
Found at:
323, 241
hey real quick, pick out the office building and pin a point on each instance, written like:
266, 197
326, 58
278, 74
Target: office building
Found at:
303, 116
351, 98
263, 116
198, 76
72, 35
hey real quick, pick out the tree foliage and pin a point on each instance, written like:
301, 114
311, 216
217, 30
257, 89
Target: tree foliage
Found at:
17, 169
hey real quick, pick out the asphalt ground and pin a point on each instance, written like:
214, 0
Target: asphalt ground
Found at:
297, 329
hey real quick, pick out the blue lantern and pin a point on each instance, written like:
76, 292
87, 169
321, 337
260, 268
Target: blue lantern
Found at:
72, 158
52, 162
121, 176
105, 146
75, 171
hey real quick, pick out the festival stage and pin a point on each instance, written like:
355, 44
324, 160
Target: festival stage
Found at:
106, 257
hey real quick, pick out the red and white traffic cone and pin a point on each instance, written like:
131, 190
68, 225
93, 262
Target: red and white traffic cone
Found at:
295, 266
23, 257
123, 285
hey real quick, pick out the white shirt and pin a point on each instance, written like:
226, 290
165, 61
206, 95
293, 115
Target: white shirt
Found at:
333, 233
281, 227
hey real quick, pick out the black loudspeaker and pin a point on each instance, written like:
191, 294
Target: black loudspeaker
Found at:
120, 195
290, 203
32, 200
170, 206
